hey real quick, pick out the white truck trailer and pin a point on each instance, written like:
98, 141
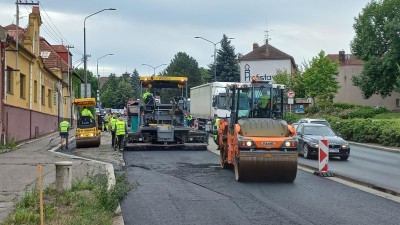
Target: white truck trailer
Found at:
207, 100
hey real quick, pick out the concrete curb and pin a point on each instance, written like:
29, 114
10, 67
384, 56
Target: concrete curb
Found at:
118, 218
382, 148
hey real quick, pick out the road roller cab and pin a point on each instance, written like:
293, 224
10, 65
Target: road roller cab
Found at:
87, 132
255, 139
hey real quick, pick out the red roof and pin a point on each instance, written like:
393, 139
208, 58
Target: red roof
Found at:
266, 51
54, 60
59, 48
12, 31
347, 59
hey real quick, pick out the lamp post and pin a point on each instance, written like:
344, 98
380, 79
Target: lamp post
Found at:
154, 68
98, 75
84, 46
215, 53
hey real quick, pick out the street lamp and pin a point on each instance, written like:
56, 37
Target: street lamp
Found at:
98, 75
215, 53
154, 68
84, 46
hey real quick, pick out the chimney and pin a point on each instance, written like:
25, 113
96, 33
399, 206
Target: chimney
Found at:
342, 56
255, 46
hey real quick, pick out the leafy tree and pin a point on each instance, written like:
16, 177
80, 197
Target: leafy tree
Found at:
181, 65
107, 94
206, 75
227, 62
377, 42
123, 94
91, 79
291, 82
319, 78
135, 84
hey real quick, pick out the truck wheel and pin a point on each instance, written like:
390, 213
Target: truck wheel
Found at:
344, 158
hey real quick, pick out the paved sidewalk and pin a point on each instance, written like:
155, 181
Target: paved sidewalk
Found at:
18, 169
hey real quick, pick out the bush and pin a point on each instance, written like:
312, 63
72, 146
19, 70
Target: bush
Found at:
292, 117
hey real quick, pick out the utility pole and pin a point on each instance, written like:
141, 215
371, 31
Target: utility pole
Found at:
17, 3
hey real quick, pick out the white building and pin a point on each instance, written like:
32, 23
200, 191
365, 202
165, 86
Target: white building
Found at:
263, 62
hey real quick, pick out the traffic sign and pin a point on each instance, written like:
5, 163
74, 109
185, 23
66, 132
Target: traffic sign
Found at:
290, 101
290, 94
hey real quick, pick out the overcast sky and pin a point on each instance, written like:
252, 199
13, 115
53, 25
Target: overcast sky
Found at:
153, 31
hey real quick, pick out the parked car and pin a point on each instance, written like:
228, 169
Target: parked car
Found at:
317, 121
309, 134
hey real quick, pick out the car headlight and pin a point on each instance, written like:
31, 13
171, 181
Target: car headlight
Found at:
314, 145
345, 146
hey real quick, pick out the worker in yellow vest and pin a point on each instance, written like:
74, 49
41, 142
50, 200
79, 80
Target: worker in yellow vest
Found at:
64, 133
113, 120
215, 128
86, 112
120, 132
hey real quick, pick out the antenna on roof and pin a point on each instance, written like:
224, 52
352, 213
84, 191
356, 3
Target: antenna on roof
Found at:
267, 36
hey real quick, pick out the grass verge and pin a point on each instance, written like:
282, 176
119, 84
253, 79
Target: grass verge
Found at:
10, 146
88, 202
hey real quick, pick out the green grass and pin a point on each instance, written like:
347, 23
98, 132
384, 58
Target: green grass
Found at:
88, 202
387, 116
10, 146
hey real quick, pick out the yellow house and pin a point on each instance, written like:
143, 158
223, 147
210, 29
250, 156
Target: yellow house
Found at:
36, 95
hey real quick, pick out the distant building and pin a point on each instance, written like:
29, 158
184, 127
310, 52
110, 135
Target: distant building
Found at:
350, 66
263, 62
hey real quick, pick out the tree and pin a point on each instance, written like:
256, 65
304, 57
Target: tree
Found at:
92, 80
206, 75
107, 94
227, 62
123, 94
377, 42
291, 81
319, 78
181, 65
135, 84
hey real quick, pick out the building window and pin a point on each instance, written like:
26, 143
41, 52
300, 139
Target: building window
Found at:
22, 86
43, 95
35, 91
10, 79
397, 102
49, 95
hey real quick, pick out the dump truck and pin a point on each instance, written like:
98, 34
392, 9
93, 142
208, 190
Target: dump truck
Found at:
156, 124
255, 139
210, 100
87, 133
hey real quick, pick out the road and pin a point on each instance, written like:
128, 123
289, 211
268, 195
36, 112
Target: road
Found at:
188, 187
368, 165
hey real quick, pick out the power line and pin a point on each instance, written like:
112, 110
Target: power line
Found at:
62, 36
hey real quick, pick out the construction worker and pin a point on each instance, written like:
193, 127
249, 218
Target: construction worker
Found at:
190, 120
113, 120
64, 133
105, 123
215, 128
86, 112
120, 132
263, 105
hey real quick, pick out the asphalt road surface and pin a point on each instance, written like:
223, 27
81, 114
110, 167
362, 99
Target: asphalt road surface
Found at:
189, 187
368, 165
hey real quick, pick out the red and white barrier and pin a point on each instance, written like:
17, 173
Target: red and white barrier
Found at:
323, 155
323, 158
196, 124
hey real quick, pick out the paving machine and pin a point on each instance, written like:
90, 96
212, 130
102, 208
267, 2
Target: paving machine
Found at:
152, 123
255, 139
87, 133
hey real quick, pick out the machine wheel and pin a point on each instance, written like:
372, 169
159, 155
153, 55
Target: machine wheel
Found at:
344, 158
306, 152
222, 154
78, 145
